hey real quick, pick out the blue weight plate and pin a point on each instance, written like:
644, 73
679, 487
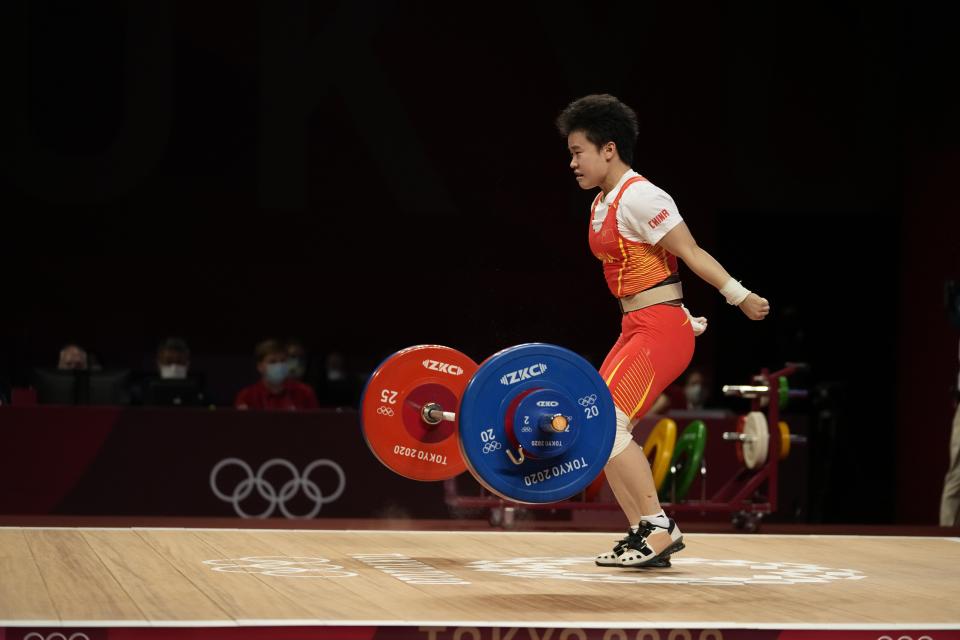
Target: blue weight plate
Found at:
533, 423
491, 393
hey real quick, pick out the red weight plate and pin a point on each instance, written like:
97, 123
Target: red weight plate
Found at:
390, 411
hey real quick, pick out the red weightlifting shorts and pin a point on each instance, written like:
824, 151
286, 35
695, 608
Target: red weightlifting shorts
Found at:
655, 347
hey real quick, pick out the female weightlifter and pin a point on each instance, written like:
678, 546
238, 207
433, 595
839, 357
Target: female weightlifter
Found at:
637, 232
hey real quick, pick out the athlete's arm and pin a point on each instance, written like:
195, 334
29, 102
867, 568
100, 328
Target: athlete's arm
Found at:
679, 241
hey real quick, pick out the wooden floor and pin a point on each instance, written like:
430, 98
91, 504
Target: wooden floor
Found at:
56, 577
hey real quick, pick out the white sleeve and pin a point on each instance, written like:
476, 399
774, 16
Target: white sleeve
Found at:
647, 213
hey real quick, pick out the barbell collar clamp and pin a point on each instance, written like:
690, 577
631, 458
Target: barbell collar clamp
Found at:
432, 413
556, 423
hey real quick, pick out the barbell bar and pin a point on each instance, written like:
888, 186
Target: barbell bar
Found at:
754, 439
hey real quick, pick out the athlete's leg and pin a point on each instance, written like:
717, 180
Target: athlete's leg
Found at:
658, 347
631, 508
631, 481
635, 388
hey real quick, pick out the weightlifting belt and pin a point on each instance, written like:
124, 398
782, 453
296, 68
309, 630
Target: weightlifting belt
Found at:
650, 297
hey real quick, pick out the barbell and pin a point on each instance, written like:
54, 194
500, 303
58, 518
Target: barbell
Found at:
762, 391
534, 423
753, 433
753, 439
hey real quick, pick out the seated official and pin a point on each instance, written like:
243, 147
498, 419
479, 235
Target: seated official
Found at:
276, 389
173, 384
337, 386
73, 358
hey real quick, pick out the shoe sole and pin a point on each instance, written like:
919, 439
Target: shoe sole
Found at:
661, 558
659, 562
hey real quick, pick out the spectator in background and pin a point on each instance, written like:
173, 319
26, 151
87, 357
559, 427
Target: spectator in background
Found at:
335, 368
93, 362
304, 368
172, 384
337, 387
73, 358
690, 396
695, 390
297, 359
275, 390
173, 359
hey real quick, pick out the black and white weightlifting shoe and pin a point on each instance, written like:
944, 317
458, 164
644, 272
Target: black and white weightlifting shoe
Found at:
612, 558
651, 546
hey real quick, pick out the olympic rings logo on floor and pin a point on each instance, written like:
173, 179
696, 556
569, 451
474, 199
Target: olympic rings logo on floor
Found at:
267, 492
385, 411
695, 571
56, 635
492, 446
586, 401
282, 567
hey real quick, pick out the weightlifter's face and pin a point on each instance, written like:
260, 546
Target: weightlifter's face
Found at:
589, 163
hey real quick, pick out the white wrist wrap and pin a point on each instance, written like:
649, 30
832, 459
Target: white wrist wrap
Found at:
734, 292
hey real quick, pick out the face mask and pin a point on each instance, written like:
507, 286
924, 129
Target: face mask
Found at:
693, 393
277, 372
296, 367
173, 371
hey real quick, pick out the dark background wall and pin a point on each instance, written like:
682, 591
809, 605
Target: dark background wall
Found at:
369, 176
